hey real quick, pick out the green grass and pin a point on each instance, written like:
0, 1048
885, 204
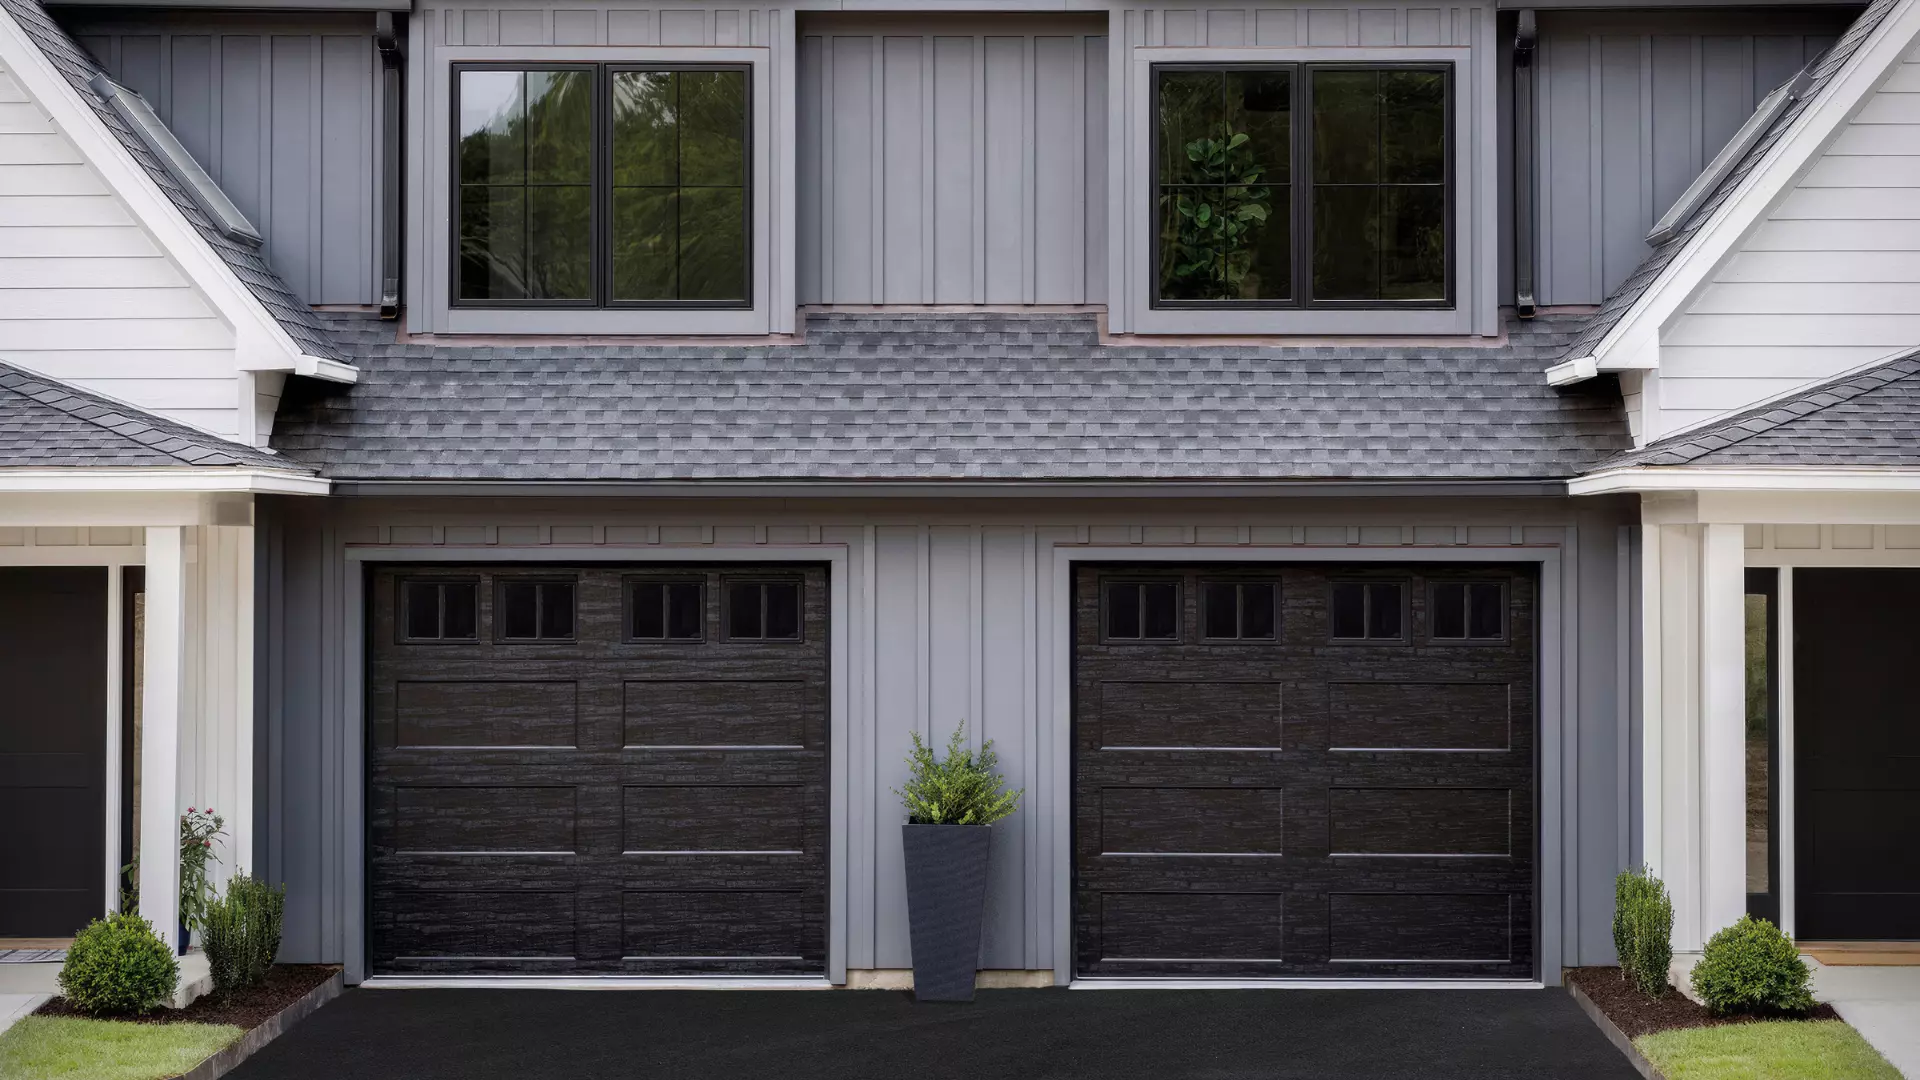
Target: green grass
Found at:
68, 1048
1773, 1050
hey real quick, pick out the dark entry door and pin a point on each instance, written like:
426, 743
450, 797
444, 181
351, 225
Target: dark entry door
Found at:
1857, 744
53, 747
1304, 770
598, 770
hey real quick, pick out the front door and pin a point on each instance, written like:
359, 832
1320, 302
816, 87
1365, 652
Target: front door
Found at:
1857, 741
53, 745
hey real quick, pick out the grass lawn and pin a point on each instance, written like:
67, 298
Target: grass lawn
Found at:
65, 1048
1774, 1050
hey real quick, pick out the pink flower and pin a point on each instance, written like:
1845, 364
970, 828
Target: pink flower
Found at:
189, 809
206, 843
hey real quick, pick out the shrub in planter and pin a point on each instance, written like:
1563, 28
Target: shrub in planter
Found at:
1643, 930
242, 933
950, 804
1751, 967
118, 966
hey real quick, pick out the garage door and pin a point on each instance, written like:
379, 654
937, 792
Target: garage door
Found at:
1294, 770
598, 770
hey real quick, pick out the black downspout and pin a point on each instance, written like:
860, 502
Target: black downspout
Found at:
1523, 129
389, 36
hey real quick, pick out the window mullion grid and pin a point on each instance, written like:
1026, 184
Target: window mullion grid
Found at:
679, 214
440, 611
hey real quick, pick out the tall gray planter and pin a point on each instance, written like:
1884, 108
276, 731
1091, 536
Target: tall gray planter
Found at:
946, 897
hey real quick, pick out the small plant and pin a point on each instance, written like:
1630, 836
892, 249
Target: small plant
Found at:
117, 966
242, 933
1643, 930
964, 789
1751, 967
199, 831
1210, 252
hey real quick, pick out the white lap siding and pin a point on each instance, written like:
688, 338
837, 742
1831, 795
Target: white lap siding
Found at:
86, 296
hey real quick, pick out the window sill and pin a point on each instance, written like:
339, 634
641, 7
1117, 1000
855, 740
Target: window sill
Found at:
652, 322
1296, 322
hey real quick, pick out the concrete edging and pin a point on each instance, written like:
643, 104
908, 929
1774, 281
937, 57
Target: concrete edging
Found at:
244, 1047
1614, 1035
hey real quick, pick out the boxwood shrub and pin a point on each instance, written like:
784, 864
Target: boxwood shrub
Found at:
117, 966
1751, 967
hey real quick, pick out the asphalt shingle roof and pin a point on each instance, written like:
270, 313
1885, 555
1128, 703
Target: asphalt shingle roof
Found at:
300, 322
44, 423
1635, 286
1868, 418
948, 396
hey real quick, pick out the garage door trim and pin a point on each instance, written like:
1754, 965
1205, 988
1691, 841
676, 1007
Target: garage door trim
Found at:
362, 561
1551, 710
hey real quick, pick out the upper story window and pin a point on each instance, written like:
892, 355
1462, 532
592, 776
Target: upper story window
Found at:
1302, 185
601, 186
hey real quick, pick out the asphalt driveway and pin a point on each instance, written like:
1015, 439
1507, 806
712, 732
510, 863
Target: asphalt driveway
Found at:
1029, 1034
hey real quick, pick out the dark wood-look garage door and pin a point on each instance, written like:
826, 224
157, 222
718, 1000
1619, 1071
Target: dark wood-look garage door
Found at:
1289, 770
598, 770
1857, 754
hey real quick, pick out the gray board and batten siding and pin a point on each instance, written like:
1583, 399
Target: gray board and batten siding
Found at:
953, 159
1631, 106
283, 112
940, 611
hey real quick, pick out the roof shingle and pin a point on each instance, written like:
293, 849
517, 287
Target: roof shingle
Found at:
48, 424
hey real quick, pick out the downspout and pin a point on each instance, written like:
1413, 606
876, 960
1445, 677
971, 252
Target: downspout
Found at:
1523, 130
389, 36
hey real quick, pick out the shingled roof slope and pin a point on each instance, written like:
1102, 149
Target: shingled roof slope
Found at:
294, 316
48, 424
935, 396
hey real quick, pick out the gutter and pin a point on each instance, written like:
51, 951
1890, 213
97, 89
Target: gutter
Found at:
184, 478
1577, 370
1652, 478
1016, 489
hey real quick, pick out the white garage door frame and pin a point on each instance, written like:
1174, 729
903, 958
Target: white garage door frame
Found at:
1549, 707
839, 619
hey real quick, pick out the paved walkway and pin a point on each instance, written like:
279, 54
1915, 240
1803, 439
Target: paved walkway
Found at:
1882, 1003
23, 987
851, 1035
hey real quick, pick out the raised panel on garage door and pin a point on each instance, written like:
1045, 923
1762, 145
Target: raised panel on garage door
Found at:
1304, 770
598, 770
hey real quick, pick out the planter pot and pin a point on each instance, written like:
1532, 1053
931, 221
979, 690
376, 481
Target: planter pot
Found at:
946, 897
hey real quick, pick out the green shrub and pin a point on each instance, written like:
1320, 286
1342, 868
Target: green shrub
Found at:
242, 933
118, 966
1751, 967
965, 789
1643, 930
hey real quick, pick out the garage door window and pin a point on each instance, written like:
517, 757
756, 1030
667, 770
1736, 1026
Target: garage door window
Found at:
1143, 611
1469, 611
666, 611
1239, 610
439, 611
536, 611
763, 611
1369, 611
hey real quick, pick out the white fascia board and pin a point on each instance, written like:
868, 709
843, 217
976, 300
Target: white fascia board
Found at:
1720, 238
1657, 478
185, 478
1577, 370
261, 344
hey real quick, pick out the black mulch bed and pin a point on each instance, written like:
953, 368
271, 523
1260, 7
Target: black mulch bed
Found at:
1636, 1014
246, 1009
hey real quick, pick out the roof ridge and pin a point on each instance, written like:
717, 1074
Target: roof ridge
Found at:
185, 444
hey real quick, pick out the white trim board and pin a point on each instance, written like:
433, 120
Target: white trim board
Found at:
1557, 673
840, 619
183, 478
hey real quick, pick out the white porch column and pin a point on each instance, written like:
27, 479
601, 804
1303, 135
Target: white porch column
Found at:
1723, 716
160, 721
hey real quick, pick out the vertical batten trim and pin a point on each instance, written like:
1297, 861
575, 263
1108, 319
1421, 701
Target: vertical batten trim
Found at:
929, 212
1029, 164
1033, 927
976, 646
978, 95
923, 653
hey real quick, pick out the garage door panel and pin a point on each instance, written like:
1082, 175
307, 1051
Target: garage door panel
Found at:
684, 712
521, 791
1318, 771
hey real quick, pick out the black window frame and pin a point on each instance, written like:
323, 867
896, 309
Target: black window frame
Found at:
1179, 611
630, 605
500, 584
1466, 612
1405, 636
1300, 189
1239, 587
402, 607
601, 213
728, 584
